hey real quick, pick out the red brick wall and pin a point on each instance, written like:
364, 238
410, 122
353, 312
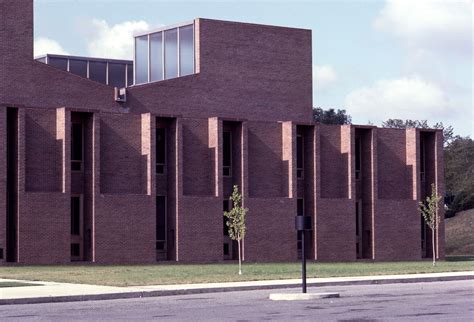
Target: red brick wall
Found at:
198, 158
43, 152
268, 173
121, 158
334, 163
394, 175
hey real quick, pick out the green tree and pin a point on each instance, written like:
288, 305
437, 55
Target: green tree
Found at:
236, 221
429, 210
331, 116
448, 131
459, 174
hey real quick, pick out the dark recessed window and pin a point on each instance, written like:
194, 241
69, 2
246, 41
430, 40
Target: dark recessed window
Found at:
422, 158
226, 208
75, 250
75, 216
78, 67
59, 63
299, 156
117, 75
226, 249
160, 222
227, 154
160, 150
1, 253
300, 207
98, 71
77, 146
358, 157
129, 75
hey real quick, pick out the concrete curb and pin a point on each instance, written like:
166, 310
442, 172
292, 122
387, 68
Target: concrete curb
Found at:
219, 289
301, 296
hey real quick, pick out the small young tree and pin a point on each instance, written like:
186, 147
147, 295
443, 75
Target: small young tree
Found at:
429, 211
236, 221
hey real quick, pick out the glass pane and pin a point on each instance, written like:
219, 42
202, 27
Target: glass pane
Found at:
97, 71
299, 152
75, 216
129, 75
78, 67
60, 63
156, 57
186, 50
171, 53
117, 75
141, 59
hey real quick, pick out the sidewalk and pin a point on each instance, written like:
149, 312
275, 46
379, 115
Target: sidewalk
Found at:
49, 292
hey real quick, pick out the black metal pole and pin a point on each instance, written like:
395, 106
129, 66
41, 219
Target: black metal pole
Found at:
303, 260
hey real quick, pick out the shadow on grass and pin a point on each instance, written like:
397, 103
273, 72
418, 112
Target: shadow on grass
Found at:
16, 284
460, 258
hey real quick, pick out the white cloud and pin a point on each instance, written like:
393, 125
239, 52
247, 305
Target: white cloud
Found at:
323, 76
44, 46
114, 41
403, 98
443, 26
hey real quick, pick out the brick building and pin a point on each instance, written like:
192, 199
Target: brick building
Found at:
88, 174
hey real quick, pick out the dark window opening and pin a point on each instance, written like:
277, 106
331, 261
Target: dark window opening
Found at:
78, 67
117, 75
300, 207
75, 215
422, 158
75, 250
226, 249
129, 75
226, 208
227, 154
299, 156
160, 150
59, 63
160, 222
357, 219
357, 158
1, 253
77, 146
98, 71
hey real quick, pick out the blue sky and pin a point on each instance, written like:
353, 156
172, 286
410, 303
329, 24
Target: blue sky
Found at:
377, 59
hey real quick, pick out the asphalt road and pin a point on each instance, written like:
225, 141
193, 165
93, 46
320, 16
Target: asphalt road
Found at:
443, 301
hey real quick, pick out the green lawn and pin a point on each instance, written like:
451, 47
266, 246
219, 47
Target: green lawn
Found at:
15, 284
201, 273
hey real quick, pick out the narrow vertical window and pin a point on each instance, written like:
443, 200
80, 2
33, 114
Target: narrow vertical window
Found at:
226, 208
186, 50
299, 156
160, 150
75, 216
156, 57
299, 212
227, 154
422, 158
171, 53
357, 158
129, 75
160, 222
141, 60
77, 146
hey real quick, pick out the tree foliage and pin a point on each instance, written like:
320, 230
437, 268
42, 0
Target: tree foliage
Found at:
331, 116
429, 210
448, 131
459, 174
236, 221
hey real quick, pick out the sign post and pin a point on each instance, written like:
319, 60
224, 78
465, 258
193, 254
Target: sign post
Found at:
303, 223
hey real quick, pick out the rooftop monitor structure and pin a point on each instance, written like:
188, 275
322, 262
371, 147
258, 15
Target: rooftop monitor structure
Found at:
164, 53
113, 72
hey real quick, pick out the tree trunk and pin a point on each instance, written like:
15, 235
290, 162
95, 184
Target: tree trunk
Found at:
240, 257
433, 246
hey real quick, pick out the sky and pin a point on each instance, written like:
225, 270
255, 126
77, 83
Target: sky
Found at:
377, 59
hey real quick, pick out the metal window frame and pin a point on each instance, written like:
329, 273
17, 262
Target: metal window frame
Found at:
166, 154
81, 162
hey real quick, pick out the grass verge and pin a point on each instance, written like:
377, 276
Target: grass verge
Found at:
160, 274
